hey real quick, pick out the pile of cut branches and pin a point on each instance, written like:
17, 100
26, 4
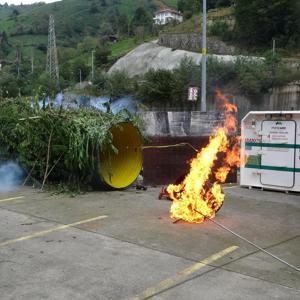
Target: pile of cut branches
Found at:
54, 144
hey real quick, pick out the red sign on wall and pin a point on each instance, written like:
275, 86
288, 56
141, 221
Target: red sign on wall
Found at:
193, 93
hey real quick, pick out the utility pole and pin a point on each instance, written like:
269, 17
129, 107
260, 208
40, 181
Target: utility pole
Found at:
93, 70
203, 86
274, 46
80, 78
52, 61
32, 61
18, 59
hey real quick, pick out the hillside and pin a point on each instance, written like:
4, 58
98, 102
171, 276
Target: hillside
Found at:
102, 31
7, 11
27, 28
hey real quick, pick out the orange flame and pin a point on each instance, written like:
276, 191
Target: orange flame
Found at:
200, 195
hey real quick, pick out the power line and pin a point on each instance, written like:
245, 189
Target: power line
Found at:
249, 242
52, 61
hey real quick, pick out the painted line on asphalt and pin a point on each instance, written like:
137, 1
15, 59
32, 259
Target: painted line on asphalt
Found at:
182, 275
46, 232
11, 199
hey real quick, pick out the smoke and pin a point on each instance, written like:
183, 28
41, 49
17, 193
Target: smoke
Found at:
10, 176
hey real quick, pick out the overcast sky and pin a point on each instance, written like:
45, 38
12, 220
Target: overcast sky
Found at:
16, 2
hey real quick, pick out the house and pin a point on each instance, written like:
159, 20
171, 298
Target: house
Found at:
3, 63
113, 38
167, 15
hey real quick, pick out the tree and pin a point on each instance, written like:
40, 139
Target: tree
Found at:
118, 84
8, 86
94, 8
4, 45
15, 13
88, 44
142, 18
78, 66
101, 56
106, 29
102, 3
158, 85
46, 85
185, 75
123, 24
191, 7
65, 71
259, 21
224, 3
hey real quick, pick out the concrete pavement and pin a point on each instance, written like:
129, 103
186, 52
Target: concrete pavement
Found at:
134, 251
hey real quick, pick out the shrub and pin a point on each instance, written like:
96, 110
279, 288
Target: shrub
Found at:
157, 86
118, 84
221, 29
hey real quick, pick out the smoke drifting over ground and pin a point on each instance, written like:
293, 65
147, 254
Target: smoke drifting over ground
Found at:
10, 176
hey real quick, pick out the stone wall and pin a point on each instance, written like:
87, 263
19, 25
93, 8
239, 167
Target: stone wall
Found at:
278, 99
193, 42
180, 123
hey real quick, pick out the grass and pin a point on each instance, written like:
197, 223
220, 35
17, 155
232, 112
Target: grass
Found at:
170, 3
191, 25
127, 7
122, 47
6, 12
194, 23
7, 25
29, 40
221, 12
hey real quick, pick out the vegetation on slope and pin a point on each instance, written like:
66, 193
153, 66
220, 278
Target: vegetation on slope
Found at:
81, 27
108, 29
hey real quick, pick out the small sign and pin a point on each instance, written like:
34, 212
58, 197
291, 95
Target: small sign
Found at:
193, 93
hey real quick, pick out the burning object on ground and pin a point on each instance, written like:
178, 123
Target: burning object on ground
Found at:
199, 195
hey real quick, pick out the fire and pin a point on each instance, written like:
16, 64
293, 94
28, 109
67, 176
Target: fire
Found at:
200, 195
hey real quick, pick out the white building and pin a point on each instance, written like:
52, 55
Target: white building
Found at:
167, 15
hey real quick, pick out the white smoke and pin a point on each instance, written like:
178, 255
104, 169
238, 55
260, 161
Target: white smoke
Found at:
10, 176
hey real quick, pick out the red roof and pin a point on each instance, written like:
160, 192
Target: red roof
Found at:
174, 11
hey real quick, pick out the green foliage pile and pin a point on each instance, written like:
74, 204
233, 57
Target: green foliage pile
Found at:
54, 144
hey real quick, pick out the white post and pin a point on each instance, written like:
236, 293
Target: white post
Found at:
80, 78
274, 46
32, 61
93, 71
203, 86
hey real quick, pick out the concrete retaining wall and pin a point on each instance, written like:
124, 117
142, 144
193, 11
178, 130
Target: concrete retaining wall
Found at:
193, 42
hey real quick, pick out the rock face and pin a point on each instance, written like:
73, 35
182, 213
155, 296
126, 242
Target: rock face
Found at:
152, 56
